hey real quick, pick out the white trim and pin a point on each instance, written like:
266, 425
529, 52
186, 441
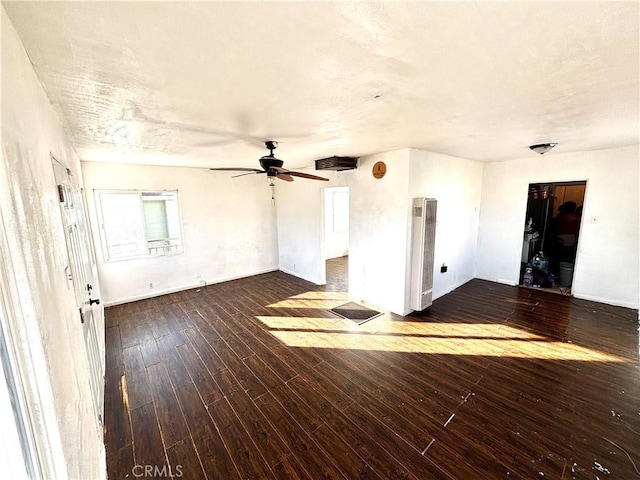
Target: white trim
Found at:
188, 287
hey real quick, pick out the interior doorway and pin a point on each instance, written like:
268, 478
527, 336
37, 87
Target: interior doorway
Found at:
336, 236
551, 231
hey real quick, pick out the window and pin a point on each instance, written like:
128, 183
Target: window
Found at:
138, 223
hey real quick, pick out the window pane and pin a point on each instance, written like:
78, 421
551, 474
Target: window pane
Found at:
162, 222
155, 220
123, 225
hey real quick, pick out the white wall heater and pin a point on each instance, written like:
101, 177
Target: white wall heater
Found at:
422, 248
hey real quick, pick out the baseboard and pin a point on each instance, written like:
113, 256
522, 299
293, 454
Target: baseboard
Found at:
591, 298
607, 301
297, 275
167, 291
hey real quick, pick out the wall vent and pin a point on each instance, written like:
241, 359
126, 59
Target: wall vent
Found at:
337, 163
422, 250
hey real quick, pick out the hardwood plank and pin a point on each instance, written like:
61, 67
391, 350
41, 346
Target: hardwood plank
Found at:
201, 377
204, 350
290, 468
138, 389
147, 441
148, 346
310, 456
194, 410
375, 456
117, 425
120, 463
227, 382
172, 361
184, 461
269, 444
409, 458
240, 445
305, 417
173, 425
349, 462
215, 459
113, 349
128, 332
267, 376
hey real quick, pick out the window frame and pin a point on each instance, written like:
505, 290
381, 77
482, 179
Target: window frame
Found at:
139, 192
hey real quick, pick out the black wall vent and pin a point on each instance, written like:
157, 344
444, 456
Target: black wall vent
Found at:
337, 163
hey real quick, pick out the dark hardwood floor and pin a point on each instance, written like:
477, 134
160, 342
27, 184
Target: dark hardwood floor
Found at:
255, 378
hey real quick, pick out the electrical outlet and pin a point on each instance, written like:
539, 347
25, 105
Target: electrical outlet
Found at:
150, 284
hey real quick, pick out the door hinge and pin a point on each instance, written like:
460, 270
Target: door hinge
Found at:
61, 193
81, 315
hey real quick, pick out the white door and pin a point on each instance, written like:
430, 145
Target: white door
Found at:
83, 274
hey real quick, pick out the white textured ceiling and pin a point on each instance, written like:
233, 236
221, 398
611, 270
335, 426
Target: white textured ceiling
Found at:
204, 83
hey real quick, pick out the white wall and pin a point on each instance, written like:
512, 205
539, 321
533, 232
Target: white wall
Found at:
229, 229
336, 242
379, 229
456, 184
301, 224
607, 263
35, 259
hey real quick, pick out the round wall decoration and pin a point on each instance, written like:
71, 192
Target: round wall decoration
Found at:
379, 169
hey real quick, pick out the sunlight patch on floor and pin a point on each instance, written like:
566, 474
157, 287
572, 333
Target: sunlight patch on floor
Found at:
385, 326
318, 303
342, 296
316, 323
445, 346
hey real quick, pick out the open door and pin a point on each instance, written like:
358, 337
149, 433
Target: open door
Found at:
82, 274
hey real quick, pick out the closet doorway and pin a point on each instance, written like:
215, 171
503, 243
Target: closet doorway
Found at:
551, 231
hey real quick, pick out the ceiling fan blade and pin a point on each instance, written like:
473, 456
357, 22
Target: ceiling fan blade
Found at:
239, 169
249, 173
285, 176
279, 169
306, 175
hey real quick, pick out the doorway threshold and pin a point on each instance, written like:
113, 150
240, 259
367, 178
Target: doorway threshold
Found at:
564, 291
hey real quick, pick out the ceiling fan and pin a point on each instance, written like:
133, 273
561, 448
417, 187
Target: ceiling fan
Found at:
272, 166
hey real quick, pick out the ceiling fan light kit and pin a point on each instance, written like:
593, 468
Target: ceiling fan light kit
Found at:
272, 166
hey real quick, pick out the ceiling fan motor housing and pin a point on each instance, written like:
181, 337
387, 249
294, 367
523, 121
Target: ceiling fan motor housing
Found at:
269, 161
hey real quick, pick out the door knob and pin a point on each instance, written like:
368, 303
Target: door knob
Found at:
96, 301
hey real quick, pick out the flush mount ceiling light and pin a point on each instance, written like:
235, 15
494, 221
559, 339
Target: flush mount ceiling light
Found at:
542, 147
